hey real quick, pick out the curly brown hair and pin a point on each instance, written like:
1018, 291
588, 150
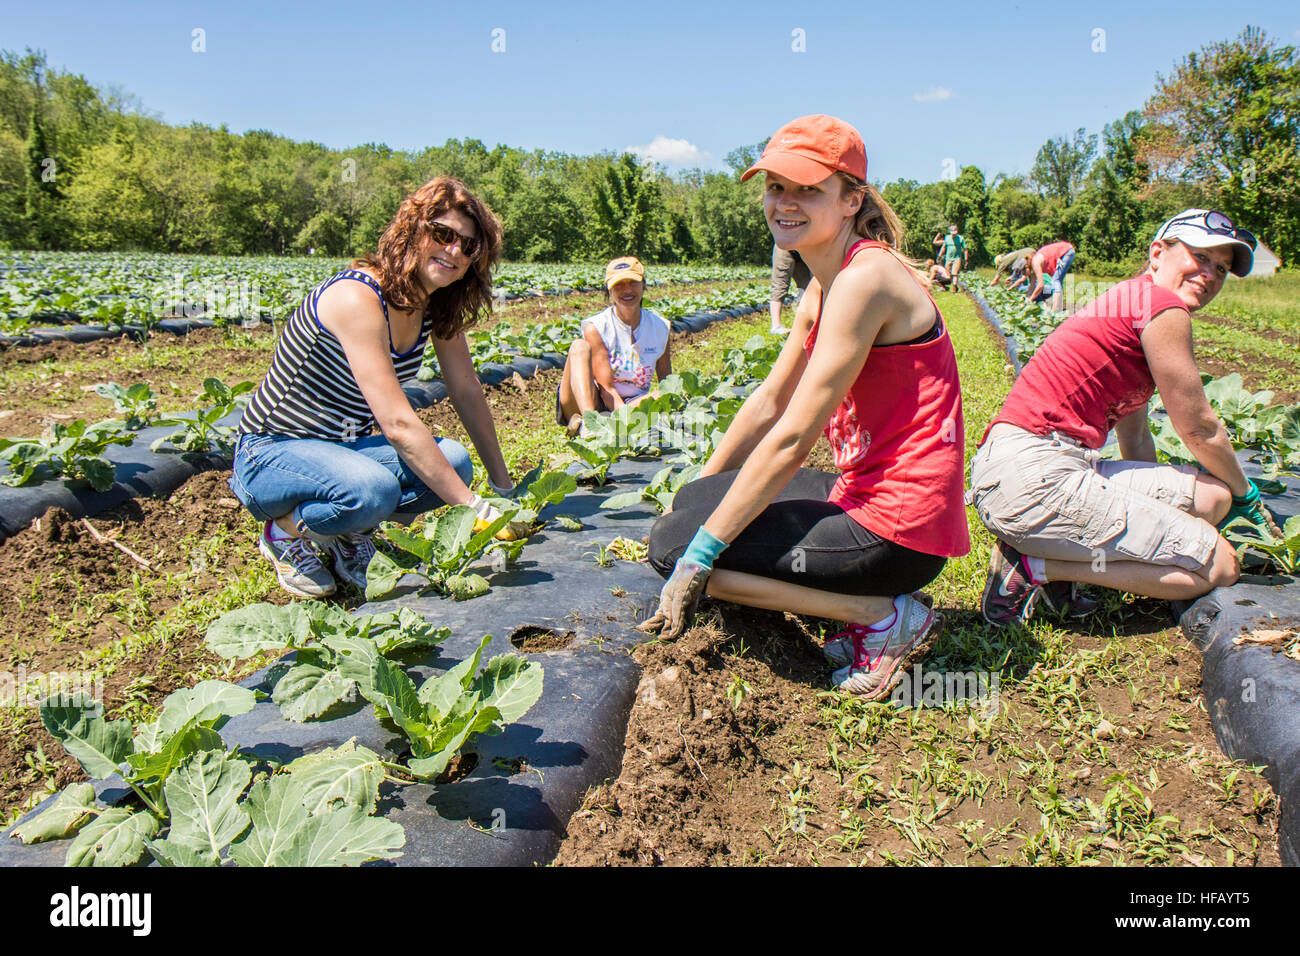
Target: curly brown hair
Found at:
406, 244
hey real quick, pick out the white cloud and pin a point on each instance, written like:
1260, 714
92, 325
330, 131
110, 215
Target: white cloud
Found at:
672, 152
933, 94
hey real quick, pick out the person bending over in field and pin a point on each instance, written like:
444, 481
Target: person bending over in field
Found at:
1061, 513
619, 352
1010, 261
937, 274
306, 462
1048, 267
868, 360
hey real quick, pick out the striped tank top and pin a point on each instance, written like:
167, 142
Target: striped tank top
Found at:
310, 391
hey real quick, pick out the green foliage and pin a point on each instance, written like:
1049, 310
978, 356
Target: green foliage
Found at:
1283, 552
441, 715
73, 451
334, 649
202, 432
136, 404
441, 548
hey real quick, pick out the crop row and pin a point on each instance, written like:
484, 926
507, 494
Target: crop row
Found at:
124, 288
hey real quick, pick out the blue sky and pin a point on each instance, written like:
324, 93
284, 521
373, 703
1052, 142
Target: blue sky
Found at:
685, 82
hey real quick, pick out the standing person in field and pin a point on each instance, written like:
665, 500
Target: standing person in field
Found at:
306, 463
619, 352
955, 255
1061, 513
1011, 262
785, 265
870, 362
1048, 267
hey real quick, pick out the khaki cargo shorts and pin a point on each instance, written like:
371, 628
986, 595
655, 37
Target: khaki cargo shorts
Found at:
1050, 497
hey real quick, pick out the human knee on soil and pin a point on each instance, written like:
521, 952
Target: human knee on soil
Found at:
620, 351
308, 461
1064, 515
760, 530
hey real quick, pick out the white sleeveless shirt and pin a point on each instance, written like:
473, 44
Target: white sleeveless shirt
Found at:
632, 352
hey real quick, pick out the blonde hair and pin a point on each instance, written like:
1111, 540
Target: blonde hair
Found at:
877, 220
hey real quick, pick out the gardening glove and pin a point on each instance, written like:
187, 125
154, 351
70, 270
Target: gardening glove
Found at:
501, 492
1250, 507
681, 595
513, 531
678, 600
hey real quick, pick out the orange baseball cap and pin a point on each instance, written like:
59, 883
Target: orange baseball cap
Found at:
809, 149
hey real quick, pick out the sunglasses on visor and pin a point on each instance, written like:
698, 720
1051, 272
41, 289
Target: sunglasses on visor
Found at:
1218, 224
447, 236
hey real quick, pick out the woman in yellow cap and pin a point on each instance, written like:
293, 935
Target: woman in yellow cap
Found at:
620, 350
870, 362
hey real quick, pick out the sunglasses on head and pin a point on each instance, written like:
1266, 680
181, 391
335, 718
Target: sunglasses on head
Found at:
444, 235
1218, 224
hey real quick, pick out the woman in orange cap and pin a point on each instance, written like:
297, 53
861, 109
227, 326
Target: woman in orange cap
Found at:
619, 352
870, 362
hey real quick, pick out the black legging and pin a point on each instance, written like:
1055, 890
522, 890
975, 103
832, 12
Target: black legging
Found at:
800, 537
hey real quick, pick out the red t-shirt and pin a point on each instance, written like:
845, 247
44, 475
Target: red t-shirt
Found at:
1052, 255
899, 441
1091, 371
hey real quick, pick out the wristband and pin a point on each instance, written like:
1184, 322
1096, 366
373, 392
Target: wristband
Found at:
1250, 497
704, 549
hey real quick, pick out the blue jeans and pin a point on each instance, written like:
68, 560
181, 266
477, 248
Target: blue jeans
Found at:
333, 487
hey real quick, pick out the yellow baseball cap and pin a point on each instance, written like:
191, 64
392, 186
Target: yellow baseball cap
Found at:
625, 267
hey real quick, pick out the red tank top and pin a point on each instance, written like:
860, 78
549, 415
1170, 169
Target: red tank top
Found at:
899, 442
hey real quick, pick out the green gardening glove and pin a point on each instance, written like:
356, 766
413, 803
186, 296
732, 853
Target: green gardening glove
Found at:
1250, 507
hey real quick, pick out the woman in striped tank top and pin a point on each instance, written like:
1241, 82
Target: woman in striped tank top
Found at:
307, 463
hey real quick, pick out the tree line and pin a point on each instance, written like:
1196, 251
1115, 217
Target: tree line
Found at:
88, 169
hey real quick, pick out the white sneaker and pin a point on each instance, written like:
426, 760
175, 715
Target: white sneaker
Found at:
881, 657
352, 554
838, 650
298, 566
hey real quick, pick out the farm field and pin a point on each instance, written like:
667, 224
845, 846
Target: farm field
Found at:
44, 384
53, 287
1098, 749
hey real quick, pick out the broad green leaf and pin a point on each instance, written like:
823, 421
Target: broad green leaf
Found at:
276, 812
210, 702
441, 693
169, 853
479, 540
250, 630
97, 744
625, 500
313, 620
510, 683
347, 774
151, 768
479, 720
390, 686
344, 837
202, 799
568, 522
418, 546
384, 571
410, 630
99, 472
307, 691
69, 812
462, 587
285, 834
116, 838
355, 655
552, 488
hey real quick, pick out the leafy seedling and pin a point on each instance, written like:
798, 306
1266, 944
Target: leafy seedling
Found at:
441, 550
74, 452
